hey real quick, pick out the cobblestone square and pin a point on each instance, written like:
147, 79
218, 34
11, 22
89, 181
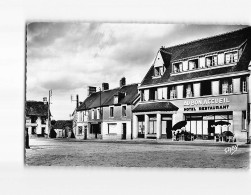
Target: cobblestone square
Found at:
149, 153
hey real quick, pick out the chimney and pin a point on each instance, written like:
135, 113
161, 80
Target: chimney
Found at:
122, 81
45, 100
105, 86
91, 90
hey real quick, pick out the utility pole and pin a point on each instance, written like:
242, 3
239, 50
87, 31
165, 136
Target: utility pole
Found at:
49, 114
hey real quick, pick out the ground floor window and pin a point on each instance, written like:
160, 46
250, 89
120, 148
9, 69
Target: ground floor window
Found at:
202, 125
80, 130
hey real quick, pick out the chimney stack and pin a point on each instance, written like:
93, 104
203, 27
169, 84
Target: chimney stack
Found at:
105, 86
122, 81
91, 90
45, 100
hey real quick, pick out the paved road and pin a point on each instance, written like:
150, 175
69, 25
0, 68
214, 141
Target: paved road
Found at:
50, 152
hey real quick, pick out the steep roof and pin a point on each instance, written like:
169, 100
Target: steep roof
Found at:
201, 47
93, 101
61, 124
155, 106
35, 108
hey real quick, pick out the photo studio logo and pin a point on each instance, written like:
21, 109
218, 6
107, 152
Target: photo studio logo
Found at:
231, 149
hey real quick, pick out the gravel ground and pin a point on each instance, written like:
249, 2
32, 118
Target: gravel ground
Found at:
50, 152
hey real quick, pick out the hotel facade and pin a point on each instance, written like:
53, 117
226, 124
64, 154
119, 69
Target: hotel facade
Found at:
202, 82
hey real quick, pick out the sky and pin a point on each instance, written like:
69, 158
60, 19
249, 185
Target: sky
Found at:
69, 57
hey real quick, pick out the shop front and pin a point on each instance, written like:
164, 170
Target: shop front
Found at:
201, 115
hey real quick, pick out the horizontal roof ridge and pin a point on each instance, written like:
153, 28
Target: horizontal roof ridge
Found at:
206, 38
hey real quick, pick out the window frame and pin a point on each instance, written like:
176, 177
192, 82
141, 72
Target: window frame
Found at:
231, 52
122, 106
111, 108
93, 113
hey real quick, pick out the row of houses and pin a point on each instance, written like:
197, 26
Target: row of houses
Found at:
202, 82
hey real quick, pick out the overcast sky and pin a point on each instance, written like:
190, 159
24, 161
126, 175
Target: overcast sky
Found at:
68, 57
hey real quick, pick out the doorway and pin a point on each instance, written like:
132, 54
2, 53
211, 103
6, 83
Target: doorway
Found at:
211, 130
123, 130
169, 129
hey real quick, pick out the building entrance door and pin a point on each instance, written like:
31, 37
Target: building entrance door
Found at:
169, 129
124, 131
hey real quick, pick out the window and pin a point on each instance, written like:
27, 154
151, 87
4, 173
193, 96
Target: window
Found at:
111, 111
124, 111
79, 130
244, 127
159, 71
83, 115
231, 57
177, 67
92, 114
188, 90
193, 64
211, 61
206, 88
98, 113
153, 94
142, 95
173, 92
243, 84
226, 86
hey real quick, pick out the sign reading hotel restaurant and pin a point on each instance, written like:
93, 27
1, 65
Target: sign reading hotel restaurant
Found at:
218, 103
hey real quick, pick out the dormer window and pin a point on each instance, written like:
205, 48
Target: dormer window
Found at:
231, 57
193, 64
211, 61
159, 71
177, 67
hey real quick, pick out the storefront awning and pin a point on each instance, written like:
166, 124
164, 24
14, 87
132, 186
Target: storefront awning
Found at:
155, 106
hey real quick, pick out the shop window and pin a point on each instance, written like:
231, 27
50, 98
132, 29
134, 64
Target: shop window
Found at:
206, 88
173, 92
80, 130
231, 57
124, 111
211, 61
226, 86
159, 71
177, 67
111, 111
193, 64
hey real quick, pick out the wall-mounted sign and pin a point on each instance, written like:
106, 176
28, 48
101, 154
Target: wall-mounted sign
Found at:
207, 101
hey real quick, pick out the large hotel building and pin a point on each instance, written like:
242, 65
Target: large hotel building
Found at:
202, 82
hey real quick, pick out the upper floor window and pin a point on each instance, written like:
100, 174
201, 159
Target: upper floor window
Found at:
211, 61
193, 64
159, 71
244, 84
231, 57
93, 114
189, 90
153, 94
124, 111
226, 86
98, 113
173, 92
177, 67
111, 111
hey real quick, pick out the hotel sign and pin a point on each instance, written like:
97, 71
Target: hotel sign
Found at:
208, 104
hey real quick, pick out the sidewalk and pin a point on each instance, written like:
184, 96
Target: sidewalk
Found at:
162, 142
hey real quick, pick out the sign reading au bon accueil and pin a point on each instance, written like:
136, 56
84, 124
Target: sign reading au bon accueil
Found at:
216, 103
